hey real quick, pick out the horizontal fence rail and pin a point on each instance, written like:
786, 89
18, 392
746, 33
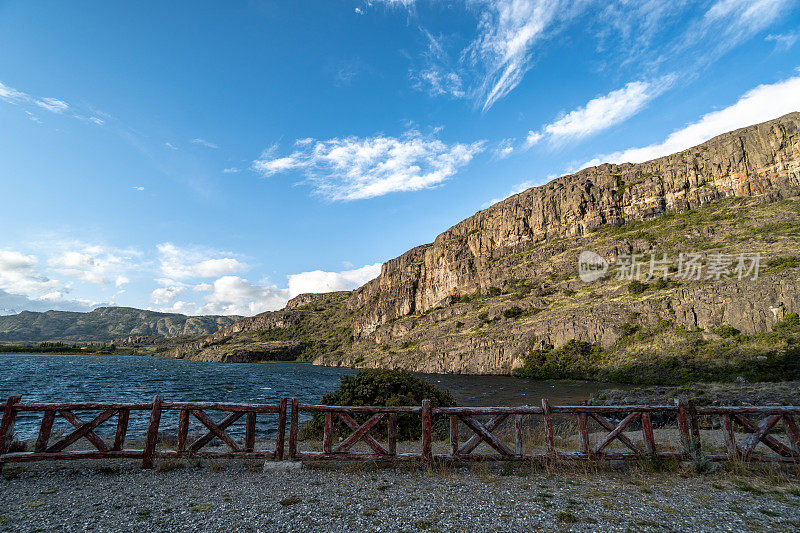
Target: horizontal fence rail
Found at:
624, 432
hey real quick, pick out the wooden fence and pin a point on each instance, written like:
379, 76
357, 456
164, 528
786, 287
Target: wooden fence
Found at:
481, 425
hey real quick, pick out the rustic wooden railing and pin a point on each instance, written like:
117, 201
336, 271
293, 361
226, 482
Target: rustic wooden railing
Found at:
44, 449
615, 424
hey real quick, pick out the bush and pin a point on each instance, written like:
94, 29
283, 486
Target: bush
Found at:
381, 387
725, 331
637, 287
513, 312
791, 261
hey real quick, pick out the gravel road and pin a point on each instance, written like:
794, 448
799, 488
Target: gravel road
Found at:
239, 496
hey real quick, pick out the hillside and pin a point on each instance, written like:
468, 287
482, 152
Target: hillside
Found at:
499, 291
105, 324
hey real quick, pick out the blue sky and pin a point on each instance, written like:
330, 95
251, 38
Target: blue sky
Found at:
222, 157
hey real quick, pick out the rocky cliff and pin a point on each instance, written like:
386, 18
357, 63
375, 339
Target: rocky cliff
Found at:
502, 283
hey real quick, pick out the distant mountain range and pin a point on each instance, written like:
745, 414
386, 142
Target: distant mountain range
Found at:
105, 324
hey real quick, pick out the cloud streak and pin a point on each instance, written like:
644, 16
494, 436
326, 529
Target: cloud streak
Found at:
762, 103
602, 112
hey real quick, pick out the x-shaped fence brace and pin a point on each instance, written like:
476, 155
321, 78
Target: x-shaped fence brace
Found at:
483, 433
759, 432
359, 432
214, 430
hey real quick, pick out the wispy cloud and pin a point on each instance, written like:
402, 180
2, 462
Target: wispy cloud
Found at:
230, 170
353, 168
508, 31
203, 142
757, 105
602, 112
649, 35
53, 104
784, 41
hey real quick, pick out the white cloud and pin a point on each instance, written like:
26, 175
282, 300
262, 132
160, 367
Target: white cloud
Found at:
353, 168
19, 275
762, 103
164, 295
203, 142
171, 146
53, 105
189, 262
97, 120
139, 188
602, 112
321, 281
230, 170
232, 295
121, 281
92, 263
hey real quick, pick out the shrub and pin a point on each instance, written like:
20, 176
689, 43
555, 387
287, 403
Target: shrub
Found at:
726, 331
513, 312
494, 291
791, 261
459, 324
637, 287
381, 387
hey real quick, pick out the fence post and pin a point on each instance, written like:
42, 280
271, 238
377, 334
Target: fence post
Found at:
694, 427
7, 425
427, 453
391, 433
250, 432
647, 433
294, 429
583, 433
327, 433
152, 433
281, 430
683, 428
548, 427
518, 435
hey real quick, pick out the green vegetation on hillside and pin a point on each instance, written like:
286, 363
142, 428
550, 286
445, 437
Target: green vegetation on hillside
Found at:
659, 354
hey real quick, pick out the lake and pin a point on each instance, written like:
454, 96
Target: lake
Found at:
103, 378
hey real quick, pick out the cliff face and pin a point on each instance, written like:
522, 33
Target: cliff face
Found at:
761, 160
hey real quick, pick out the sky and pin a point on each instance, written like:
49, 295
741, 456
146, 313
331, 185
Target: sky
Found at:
223, 157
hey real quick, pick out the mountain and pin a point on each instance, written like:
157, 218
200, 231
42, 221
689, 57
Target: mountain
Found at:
499, 291
105, 324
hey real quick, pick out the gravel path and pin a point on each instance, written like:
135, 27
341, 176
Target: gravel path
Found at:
238, 496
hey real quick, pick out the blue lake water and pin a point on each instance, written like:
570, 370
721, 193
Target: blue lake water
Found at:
102, 378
